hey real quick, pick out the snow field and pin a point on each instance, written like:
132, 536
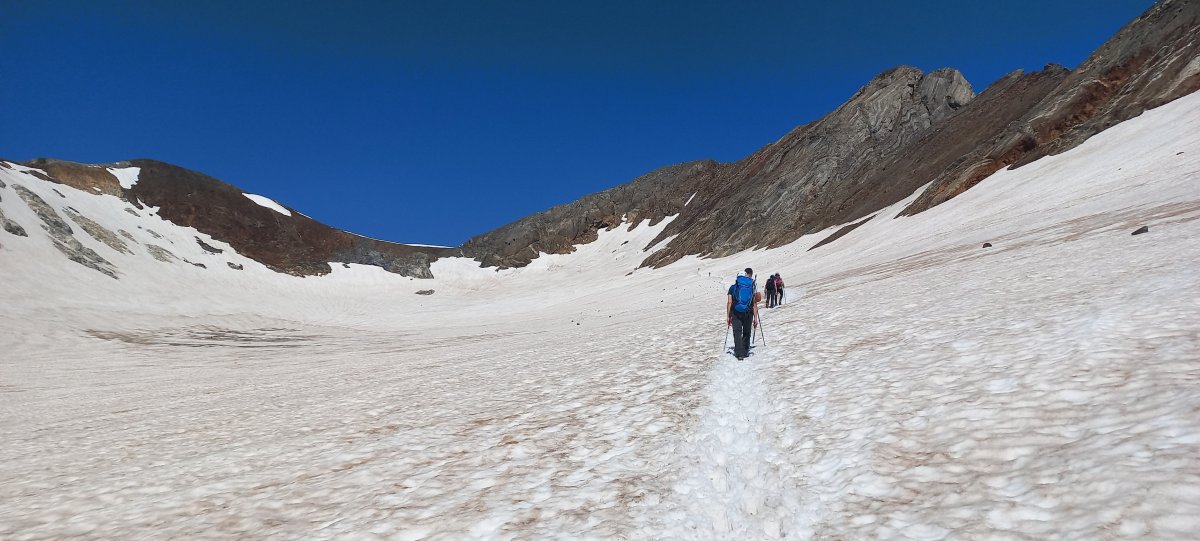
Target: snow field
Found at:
915, 386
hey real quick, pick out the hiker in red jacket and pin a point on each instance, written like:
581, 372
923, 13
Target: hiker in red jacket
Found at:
778, 289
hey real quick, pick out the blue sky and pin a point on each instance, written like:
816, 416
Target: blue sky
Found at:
432, 122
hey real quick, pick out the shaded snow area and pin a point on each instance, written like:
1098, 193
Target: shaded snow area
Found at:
914, 386
269, 203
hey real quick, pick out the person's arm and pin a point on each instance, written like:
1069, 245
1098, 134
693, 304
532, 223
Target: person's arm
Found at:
754, 309
728, 306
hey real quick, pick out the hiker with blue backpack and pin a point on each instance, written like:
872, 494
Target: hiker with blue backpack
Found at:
741, 312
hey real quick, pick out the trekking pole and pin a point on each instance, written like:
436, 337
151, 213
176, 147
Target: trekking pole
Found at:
725, 347
762, 332
753, 312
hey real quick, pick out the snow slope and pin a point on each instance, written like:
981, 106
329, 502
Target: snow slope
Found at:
915, 385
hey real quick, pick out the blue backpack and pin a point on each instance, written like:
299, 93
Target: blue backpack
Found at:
743, 293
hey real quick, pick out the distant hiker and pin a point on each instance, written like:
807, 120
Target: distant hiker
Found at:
741, 312
771, 292
778, 289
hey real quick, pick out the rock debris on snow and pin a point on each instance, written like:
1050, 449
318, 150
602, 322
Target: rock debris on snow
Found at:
160, 253
98, 231
208, 247
62, 236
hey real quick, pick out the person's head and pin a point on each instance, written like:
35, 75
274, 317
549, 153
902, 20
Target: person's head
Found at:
749, 272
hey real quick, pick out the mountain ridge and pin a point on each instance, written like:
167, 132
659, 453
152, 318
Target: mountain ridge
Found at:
1149, 62
290, 243
902, 132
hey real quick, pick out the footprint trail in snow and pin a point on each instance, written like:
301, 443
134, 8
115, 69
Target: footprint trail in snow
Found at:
735, 483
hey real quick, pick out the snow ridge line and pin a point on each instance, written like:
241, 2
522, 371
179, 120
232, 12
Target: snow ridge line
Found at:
736, 482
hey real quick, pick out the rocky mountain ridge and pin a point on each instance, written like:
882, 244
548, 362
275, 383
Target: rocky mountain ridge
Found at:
291, 243
901, 131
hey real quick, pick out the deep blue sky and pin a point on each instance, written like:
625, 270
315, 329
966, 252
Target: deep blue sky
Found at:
437, 121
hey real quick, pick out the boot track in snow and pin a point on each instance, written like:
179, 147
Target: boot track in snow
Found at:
735, 480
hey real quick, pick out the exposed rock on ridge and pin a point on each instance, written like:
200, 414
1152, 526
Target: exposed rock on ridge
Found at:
802, 182
960, 144
901, 131
1151, 61
655, 195
293, 244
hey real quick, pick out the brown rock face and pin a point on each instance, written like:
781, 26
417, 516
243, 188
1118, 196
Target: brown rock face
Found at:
293, 244
956, 148
1151, 61
806, 181
81, 176
655, 195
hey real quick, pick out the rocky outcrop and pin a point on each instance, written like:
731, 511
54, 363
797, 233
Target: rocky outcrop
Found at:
1151, 61
812, 177
62, 236
98, 232
208, 247
86, 177
958, 147
9, 225
294, 244
161, 254
13, 227
653, 196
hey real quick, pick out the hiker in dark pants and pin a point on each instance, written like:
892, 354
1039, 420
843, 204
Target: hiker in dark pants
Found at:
771, 300
741, 312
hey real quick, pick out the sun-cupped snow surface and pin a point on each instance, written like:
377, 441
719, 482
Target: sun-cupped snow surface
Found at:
269, 203
126, 176
915, 385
